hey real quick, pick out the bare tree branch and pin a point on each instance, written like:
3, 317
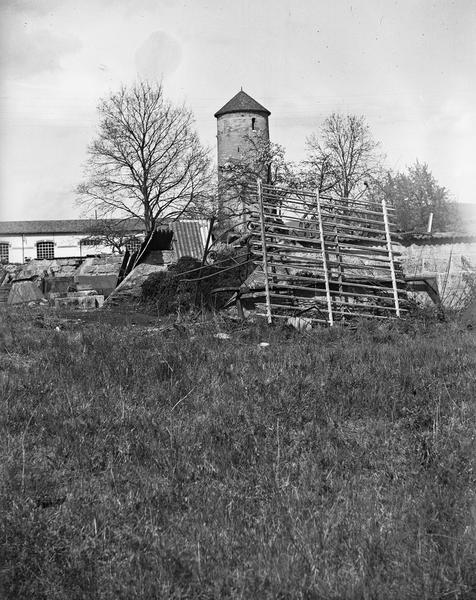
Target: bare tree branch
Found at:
147, 161
342, 157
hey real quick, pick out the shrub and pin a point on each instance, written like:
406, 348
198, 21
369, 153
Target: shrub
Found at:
168, 291
187, 284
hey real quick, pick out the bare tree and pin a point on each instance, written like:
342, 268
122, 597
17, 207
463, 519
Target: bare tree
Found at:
147, 161
343, 158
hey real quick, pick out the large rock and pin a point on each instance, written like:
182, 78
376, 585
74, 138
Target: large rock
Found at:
129, 290
105, 265
22, 292
99, 273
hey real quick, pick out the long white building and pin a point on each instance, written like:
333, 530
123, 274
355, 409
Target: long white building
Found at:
21, 241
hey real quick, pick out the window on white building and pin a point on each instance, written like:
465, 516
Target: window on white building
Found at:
133, 245
4, 252
45, 250
91, 242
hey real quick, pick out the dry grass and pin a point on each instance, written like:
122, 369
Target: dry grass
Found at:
172, 464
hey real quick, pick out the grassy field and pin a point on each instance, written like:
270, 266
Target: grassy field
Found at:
145, 463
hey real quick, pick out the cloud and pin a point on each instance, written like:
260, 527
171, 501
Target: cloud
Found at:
158, 56
26, 53
29, 45
34, 7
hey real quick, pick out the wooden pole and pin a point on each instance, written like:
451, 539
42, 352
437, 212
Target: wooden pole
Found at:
204, 257
265, 256
324, 261
430, 223
390, 256
338, 256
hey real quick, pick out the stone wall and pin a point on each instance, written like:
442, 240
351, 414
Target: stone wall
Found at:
451, 262
234, 131
60, 274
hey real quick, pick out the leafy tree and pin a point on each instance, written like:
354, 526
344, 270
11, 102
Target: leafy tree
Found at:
147, 160
343, 157
415, 194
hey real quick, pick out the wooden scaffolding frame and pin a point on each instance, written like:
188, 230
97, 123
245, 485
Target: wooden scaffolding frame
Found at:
326, 258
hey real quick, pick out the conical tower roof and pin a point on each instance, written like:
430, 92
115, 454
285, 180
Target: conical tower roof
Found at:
242, 103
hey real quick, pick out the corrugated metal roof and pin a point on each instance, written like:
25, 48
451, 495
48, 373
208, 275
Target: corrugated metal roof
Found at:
190, 237
83, 226
242, 102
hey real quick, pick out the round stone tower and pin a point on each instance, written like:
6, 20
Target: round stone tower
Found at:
239, 123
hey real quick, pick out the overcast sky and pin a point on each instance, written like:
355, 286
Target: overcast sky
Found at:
408, 66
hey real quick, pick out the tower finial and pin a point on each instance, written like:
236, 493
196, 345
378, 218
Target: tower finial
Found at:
241, 88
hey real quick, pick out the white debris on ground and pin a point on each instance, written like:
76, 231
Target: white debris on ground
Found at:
222, 336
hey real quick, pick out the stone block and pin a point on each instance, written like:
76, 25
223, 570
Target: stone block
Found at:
80, 302
104, 284
81, 293
57, 284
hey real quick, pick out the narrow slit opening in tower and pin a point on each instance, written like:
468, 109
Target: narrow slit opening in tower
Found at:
253, 120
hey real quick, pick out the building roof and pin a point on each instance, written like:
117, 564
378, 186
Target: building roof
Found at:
188, 240
83, 226
189, 237
242, 102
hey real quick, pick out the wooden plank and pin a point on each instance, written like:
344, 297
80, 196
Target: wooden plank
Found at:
328, 205
326, 215
263, 242
346, 218
348, 245
390, 256
349, 284
282, 236
324, 260
339, 316
324, 197
334, 293
276, 260
370, 249
356, 201
278, 225
277, 286
282, 255
335, 263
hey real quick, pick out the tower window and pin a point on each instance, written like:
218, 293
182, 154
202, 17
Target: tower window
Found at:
45, 250
253, 121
